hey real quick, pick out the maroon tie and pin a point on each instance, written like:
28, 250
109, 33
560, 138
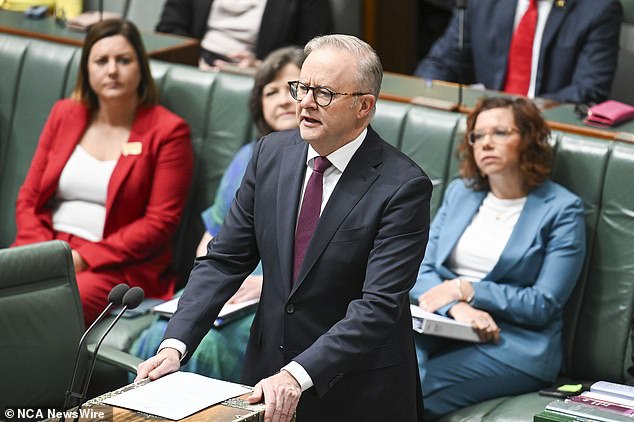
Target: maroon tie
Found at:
518, 74
309, 214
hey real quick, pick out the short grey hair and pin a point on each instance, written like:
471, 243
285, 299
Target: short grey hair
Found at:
369, 68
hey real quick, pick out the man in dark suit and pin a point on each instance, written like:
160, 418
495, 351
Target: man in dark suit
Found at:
282, 23
333, 327
576, 58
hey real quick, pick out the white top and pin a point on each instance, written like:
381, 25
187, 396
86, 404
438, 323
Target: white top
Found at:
480, 246
233, 25
81, 195
339, 160
543, 10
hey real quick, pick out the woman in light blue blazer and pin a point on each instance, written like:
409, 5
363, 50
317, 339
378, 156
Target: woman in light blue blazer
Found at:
504, 254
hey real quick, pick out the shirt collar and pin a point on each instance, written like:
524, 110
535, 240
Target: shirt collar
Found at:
341, 157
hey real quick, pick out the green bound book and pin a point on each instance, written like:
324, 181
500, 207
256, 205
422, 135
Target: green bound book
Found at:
586, 412
549, 416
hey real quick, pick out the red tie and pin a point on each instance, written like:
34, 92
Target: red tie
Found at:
309, 214
518, 74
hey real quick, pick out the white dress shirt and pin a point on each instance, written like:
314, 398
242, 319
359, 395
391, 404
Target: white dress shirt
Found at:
543, 10
339, 160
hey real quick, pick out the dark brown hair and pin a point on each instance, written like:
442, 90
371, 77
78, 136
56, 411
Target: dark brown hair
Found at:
266, 73
148, 94
536, 154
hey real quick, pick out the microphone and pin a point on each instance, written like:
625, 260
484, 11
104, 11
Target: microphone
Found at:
461, 5
131, 299
115, 297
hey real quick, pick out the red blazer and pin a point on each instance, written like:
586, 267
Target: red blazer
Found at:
145, 199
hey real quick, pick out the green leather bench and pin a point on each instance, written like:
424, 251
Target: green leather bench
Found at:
599, 315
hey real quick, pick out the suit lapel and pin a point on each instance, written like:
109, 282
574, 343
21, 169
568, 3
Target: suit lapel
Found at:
554, 22
456, 222
355, 181
289, 187
504, 17
530, 221
72, 128
125, 163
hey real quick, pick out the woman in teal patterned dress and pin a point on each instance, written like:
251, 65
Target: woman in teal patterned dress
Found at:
221, 352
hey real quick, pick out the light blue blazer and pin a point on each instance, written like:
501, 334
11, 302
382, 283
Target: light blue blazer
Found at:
527, 289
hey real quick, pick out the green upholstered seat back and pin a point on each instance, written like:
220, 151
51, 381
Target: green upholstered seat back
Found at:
602, 348
216, 108
427, 139
41, 322
580, 166
389, 120
27, 94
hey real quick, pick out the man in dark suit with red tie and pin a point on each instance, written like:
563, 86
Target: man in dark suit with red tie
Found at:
565, 50
340, 221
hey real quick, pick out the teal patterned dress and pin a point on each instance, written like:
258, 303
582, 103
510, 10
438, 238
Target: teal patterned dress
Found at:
221, 353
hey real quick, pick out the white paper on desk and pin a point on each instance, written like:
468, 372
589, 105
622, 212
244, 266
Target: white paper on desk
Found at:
178, 395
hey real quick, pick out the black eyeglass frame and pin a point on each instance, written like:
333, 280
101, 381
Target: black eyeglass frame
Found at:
293, 85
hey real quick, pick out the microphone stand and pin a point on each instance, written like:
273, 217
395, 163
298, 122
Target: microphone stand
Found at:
91, 369
461, 5
131, 300
70, 392
114, 298
100, 10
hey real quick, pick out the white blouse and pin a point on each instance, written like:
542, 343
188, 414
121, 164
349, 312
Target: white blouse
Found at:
81, 195
480, 246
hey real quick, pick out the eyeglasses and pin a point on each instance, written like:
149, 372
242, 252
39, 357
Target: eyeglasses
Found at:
498, 135
323, 96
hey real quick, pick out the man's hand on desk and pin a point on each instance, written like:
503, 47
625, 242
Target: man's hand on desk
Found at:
165, 362
281, 394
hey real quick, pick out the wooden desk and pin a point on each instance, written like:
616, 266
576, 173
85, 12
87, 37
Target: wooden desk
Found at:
233, 410
171, 48
405, 88
563, 118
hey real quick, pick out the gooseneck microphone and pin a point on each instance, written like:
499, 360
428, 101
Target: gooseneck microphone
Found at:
461, 5
115, 297
131, 299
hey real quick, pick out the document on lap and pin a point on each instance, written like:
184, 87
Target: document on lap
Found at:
229, 312
178, 395
437, 325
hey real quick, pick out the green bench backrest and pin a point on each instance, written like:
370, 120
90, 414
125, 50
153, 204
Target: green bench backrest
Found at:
580, 166
427, 139
601, 343
36, 77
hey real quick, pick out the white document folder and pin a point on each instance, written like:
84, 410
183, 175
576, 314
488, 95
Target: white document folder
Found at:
437, 325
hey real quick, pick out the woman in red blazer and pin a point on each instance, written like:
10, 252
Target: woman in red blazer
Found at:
114, 165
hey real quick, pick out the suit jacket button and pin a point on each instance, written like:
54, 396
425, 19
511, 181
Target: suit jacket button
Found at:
281, 348
290, 308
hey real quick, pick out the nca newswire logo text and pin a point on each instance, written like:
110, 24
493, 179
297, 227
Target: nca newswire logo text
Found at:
19, 413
